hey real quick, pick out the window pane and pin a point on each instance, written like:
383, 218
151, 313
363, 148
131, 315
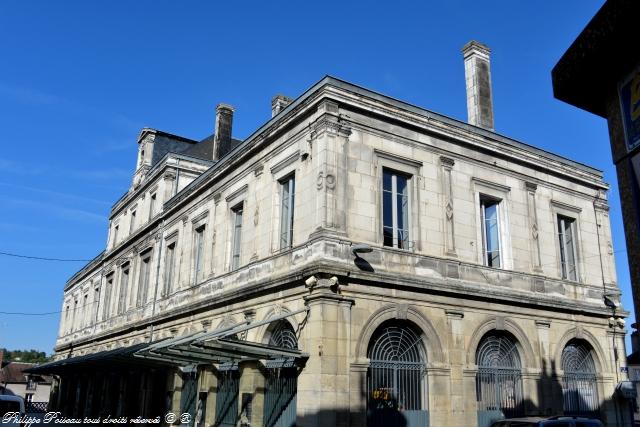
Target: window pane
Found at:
388, 236
386, 180
491, 233
401, 185
567, 247
237, 234
387, 210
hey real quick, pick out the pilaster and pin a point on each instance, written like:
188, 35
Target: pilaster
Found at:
536, 259
447, 190
329, 138
323, 387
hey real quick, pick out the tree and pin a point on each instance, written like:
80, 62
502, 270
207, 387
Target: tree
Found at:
26, 356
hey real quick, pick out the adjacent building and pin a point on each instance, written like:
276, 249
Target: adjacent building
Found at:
357, 260
34, 389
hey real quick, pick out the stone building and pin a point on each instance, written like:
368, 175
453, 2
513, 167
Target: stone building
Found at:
356, 260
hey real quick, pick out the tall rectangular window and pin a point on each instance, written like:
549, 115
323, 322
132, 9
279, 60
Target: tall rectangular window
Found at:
169, 268
489, 211
395, 209
143, 283
96, 301
287, 191
115, 234
132, 224
108, 290
152, 205
567, 241
236, 242
74, 315
198, 246
85, 306
124, 284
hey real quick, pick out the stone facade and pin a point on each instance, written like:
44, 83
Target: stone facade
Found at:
172, 273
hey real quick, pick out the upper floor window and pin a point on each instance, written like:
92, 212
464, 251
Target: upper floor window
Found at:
115, 234
152, 205
132, 224
85, 309
236, 241
143, 284
490, 222
567, 242
108, 290
198, 246
169, 267
124, 284
395, 209
96, 299
287, 186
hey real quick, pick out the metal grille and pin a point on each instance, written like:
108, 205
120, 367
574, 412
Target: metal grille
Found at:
499, 378
227, 399
396, 385
281, 383
579, 390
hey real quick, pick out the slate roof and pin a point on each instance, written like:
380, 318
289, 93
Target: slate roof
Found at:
12, 372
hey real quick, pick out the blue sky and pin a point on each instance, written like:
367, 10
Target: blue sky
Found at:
79, 79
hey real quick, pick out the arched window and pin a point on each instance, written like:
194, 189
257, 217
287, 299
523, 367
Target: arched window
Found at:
281, 382
396, 379
283, 335
499, 378
579, 389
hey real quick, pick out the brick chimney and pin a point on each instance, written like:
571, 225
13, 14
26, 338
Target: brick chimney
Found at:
279, 103
477, 72
224, 122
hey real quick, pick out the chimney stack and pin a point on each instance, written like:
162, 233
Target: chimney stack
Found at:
224, 123
477, 73
279, 103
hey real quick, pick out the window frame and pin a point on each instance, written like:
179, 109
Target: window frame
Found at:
153, 198
169, 266
123, 284
288, 184
562, 246
144, 276
198, 251
236, 235
561, 209
412, 169
108, 291
500, 193
484, 204
132, 220
395, 243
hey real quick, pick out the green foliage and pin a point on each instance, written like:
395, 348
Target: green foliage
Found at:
27, 356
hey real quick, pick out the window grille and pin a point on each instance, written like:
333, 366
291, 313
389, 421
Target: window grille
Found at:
499, 377
579, 391
396, 379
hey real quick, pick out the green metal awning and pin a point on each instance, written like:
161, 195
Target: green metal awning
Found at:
220, 346
217, 346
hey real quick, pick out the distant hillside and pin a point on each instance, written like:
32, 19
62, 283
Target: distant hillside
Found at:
27, 356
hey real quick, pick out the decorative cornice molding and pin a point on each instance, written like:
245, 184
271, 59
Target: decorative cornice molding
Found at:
565, 206
289, 160
396, 158
490, 184
237, 193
